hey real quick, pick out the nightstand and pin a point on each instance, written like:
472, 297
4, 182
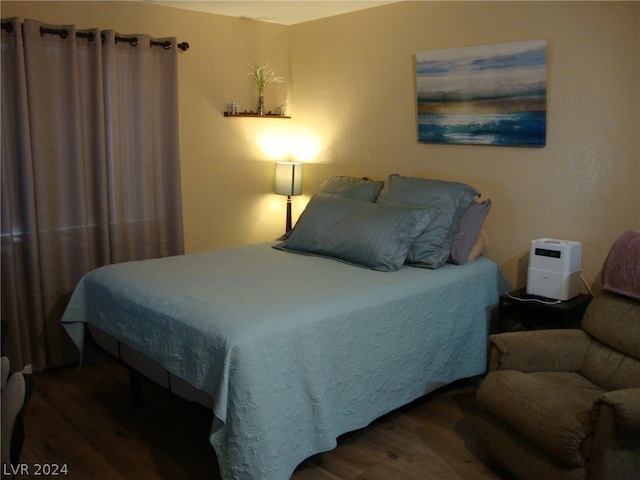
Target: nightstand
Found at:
519, 311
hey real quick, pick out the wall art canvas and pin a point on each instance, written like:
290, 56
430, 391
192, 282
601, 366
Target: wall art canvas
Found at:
488, 95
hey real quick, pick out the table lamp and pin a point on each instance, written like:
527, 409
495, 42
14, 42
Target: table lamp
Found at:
288, 181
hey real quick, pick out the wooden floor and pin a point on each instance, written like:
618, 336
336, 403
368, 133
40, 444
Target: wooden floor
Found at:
85, 420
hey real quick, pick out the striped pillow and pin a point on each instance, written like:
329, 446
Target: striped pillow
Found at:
351, 187
365, 234
451, 199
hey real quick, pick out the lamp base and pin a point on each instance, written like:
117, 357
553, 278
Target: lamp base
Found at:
288, 222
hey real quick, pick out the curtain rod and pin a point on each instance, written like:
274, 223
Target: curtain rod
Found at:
133, 41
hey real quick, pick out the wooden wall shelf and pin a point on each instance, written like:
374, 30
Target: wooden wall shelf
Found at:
255, 115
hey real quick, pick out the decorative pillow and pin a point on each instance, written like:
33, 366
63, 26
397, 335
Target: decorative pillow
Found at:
363, 189
468, 231
621, 271
361, 233
450, 199
479, 247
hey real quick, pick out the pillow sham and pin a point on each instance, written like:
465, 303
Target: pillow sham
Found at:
470, 225
363, 189
360, 233
479, 246
450, 199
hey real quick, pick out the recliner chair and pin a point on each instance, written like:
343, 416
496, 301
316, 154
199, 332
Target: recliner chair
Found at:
565, 404
15, 391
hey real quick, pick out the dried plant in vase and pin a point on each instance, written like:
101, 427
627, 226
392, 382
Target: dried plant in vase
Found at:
263, 75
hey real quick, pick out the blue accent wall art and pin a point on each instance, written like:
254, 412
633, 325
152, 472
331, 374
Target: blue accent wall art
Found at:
486, 95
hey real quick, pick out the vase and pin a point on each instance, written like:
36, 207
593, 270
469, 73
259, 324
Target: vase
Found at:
261, 103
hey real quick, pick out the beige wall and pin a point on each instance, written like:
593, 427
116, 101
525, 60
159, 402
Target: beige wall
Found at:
353, 83
350, 90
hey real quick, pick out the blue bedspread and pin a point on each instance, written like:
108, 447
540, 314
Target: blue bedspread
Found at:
295, 350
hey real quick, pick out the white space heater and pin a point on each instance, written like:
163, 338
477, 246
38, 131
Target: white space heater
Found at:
554, 268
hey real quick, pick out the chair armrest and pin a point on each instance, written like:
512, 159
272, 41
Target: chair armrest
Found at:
626, 407
561, 350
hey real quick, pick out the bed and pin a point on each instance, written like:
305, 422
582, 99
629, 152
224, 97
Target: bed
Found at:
290, 348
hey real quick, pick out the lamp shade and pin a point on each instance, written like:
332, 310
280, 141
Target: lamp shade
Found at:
288, 178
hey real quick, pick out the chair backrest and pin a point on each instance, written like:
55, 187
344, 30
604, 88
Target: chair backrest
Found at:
612, 360
613, 319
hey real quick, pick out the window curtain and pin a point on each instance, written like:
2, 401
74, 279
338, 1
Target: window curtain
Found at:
90, 172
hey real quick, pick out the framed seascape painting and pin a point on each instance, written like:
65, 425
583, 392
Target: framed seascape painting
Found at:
487, 95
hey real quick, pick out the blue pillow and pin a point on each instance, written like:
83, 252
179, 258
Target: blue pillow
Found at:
363, 189
361, 233
354, 188
450, 199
